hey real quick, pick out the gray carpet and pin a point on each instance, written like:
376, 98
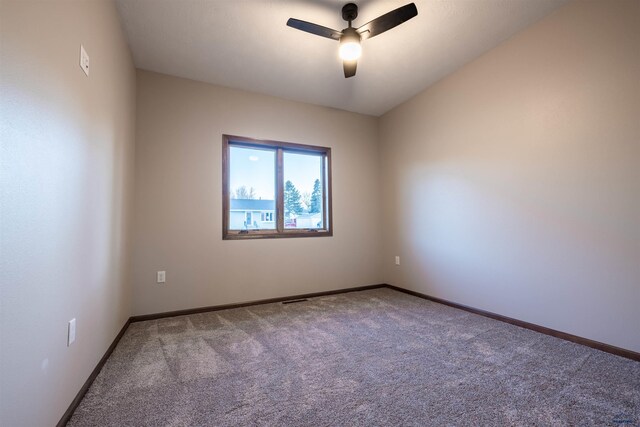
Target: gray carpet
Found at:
376, 357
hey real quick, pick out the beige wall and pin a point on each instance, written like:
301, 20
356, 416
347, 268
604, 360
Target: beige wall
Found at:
178, 206
513, 185
66, 173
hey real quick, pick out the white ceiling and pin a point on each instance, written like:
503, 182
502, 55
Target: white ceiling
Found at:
245, 44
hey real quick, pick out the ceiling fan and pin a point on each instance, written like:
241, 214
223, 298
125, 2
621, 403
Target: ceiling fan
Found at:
350, 37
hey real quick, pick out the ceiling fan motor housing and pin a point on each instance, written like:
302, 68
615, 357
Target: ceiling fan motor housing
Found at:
350, 34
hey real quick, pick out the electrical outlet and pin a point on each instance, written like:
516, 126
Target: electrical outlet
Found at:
84, 60
71, 332
397, 260
161, 277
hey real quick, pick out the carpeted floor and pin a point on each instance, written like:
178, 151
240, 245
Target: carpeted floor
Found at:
377, 357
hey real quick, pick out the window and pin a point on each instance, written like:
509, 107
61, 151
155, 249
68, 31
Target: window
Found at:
275, 189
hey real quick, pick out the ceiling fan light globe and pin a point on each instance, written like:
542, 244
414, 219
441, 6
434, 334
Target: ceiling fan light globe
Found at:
350, 50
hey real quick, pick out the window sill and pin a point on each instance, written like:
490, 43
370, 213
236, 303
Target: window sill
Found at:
270, 234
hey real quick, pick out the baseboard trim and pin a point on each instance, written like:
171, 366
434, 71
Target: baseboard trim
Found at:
629, 354
85, 387
155, 316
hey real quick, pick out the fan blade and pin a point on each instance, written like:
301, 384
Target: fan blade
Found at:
349, 68
388, 21
312, 28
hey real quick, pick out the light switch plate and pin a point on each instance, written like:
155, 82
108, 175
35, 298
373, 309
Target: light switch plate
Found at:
84, 60
71, 335
161, 276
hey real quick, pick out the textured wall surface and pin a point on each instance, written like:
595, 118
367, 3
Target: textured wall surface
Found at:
513, 185
178, 206
67, 159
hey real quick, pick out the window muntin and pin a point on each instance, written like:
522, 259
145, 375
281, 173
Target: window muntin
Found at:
275, 189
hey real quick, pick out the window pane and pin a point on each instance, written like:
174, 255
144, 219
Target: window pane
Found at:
252, 189
303, 190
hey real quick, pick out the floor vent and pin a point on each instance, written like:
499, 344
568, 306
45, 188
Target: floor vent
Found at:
294, 301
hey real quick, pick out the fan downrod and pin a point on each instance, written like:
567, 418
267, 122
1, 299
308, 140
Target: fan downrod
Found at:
350, 12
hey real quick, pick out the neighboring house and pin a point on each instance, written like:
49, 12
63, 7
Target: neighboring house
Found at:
252, 214
306, 220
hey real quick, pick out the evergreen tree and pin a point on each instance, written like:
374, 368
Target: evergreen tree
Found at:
292, 202
316, 198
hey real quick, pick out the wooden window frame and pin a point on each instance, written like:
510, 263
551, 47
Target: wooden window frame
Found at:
280, 231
